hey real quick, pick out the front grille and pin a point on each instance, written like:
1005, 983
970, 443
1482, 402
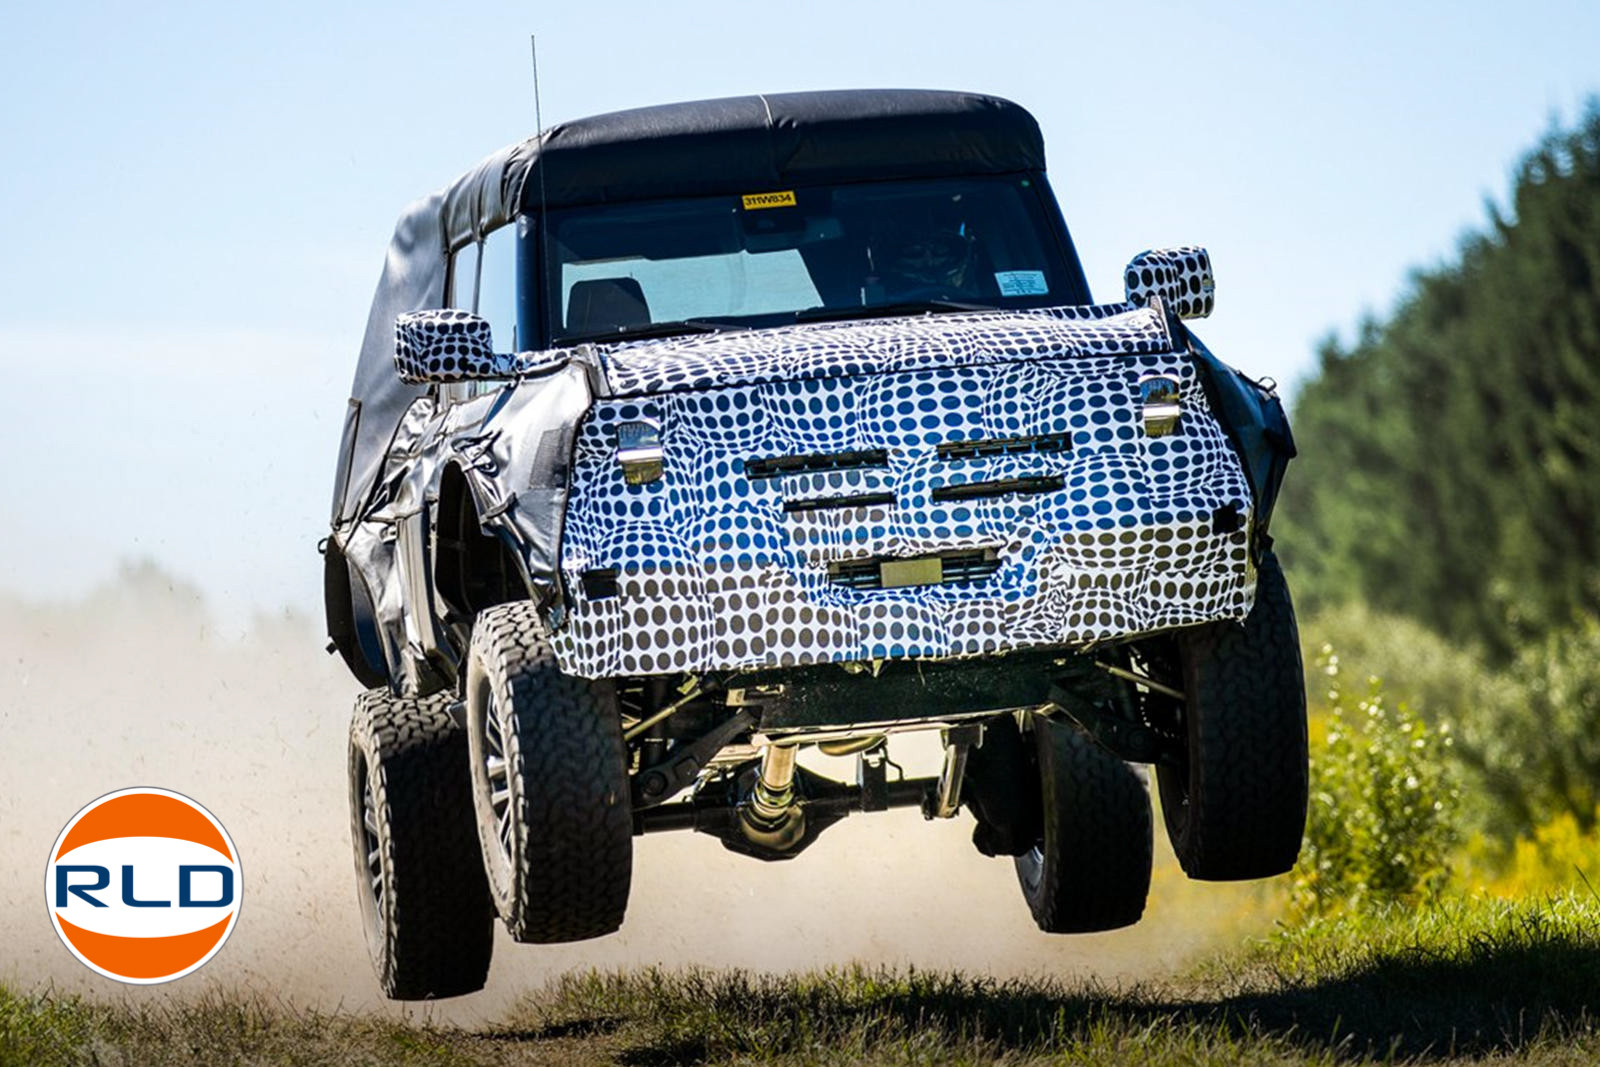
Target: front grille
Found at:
860, 459
856, 574
1041, 483
966, 567
1006, 446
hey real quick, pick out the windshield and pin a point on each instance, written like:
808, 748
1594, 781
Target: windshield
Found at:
655, 268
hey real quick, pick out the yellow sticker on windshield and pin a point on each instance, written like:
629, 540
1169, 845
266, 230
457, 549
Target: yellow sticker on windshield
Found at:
753, 201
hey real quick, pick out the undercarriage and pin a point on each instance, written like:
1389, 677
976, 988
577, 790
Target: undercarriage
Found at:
718, 755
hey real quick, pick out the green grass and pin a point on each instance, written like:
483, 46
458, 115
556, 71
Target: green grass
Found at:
47, 1029
1467, 982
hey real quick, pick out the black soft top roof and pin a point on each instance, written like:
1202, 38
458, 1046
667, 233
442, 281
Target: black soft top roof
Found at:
752, 143
742, 144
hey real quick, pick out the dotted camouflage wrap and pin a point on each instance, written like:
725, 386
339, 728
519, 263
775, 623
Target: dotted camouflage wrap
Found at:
1180, 276
446, 345
717, 569
835, 349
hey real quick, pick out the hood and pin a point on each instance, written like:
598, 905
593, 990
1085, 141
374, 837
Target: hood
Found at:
877, 346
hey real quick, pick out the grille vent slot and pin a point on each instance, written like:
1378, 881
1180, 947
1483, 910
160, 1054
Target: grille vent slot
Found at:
1006, 446
965, 568
957, 568
860, 459
833, 503
1043, 483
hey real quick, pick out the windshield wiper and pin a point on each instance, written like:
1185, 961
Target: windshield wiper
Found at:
875, 311
674, 328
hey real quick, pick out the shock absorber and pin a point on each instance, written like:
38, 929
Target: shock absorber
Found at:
771, 815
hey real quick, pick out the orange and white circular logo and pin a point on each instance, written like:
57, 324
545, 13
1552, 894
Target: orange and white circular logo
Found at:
143, 885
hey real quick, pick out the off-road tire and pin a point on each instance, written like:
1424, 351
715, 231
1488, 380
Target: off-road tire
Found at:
558, 849
425, 906
1237, 809
1001, 789
1091, 868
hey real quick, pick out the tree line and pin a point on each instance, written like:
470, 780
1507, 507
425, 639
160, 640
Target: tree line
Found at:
1450, 454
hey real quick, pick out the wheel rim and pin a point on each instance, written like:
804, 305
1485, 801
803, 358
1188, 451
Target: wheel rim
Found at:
497, 774
370, 860
1030, 868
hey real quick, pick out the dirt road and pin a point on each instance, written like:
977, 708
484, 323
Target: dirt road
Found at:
133, 687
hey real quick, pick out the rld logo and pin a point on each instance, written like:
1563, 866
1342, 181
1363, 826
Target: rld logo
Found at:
143, 885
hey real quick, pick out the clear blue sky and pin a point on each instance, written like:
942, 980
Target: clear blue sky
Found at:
200, 196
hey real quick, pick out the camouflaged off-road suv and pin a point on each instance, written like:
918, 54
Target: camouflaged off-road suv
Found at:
806, 433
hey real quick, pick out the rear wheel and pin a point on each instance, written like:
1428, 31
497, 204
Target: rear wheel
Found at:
549, 784
1090, 869
427, 915
1001, 789
1236, 808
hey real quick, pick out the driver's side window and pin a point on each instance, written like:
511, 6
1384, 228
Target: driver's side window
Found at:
463, 287
482, 280
497, 290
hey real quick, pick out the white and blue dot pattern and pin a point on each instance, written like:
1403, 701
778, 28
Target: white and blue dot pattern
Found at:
713, 572
845, 349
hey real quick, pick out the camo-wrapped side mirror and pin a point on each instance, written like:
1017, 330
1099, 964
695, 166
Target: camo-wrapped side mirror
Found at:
1181, 277
447, 345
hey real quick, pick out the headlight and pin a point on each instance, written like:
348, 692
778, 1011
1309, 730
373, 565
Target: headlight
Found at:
1158, 393
639, 452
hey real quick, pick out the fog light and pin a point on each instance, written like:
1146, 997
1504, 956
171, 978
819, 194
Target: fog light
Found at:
1159, 395
639, 452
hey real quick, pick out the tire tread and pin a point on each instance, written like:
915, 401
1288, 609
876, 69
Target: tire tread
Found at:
574, 860
1096, 852
438, 928
1247, 780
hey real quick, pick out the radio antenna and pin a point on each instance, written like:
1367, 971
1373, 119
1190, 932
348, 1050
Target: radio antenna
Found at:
543, 221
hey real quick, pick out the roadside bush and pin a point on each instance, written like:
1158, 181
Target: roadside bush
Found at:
1527, 738
1436, 678
1382, 819
1557, 856
1534, 743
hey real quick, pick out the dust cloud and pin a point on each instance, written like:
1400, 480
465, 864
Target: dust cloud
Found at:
133, 685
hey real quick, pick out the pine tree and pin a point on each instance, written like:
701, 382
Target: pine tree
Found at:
1450, 463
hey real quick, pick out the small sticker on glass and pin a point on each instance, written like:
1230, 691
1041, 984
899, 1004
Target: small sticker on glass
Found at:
757, 201
1021, 282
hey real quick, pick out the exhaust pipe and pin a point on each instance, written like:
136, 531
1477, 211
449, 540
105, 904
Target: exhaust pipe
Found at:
771, 816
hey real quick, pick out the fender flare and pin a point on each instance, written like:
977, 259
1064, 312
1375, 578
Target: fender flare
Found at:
351, 619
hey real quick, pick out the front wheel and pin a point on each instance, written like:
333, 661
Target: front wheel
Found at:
428, 920
549, 783
1090, 869
1236, 807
